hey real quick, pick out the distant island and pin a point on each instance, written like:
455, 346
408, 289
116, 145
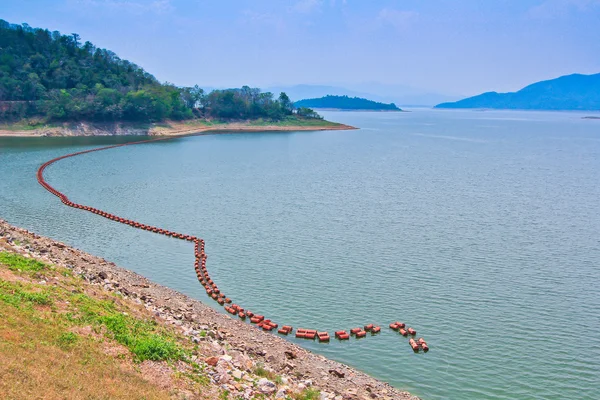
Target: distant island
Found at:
346, 103
49, 80
569, 92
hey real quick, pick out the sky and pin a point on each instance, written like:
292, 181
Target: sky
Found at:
454, 47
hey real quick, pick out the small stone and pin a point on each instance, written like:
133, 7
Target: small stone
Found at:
237, 374
102, 275
290, 355
212, 361
337, 373
226, 357
266, 386
281, 393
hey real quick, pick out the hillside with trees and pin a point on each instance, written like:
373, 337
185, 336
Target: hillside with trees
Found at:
53, 77
346, 103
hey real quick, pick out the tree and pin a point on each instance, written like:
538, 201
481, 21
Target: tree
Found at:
286, 104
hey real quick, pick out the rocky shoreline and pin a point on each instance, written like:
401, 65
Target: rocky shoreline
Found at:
172, 128
236, 347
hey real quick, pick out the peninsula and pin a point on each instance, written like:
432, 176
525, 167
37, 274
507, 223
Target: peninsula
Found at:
346, 103
52, 84
570, 92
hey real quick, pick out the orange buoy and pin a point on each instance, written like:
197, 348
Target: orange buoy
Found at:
394, 326
368, 327
354, 331
300, 333
413, 344
403, 332
338, 333
423, 344
343, 336
323, 336
361, 334
400, 324
375, 329
310, 334
411, 331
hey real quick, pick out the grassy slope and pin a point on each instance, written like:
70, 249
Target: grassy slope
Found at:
66, 341
62, 338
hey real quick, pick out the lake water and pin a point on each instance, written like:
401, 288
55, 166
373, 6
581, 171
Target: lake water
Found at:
479, 229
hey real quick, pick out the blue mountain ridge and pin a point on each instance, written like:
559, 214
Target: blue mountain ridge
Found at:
569, 92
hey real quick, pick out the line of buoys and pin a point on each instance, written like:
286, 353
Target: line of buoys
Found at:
212, 290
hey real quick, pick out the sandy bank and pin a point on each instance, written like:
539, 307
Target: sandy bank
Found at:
169, 128
227, 337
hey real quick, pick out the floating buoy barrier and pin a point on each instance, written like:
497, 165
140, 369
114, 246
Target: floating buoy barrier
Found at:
212, 290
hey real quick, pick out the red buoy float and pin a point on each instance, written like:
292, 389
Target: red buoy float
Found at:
413, 344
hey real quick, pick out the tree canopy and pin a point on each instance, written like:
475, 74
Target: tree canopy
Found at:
56, 77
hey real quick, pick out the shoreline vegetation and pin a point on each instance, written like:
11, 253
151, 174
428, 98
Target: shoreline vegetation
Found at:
68, 317
167, 128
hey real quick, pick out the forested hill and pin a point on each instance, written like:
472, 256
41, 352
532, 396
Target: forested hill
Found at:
570, 92
55, 77
346, 103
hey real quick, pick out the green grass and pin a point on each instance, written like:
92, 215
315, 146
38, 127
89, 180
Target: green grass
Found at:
144, 338
16, 262
18, 294
66, 340
308, 394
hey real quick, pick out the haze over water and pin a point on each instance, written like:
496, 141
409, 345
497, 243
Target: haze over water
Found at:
479, 229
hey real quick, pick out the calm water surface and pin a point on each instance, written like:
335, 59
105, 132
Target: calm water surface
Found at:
479, 229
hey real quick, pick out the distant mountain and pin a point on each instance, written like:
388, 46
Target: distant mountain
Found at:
346, 103
570, 92
386, 93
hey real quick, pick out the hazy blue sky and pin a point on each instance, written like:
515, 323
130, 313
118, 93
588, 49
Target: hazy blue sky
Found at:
448, 46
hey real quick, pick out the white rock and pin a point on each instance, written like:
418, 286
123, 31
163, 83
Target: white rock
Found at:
237, 374
266, 386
